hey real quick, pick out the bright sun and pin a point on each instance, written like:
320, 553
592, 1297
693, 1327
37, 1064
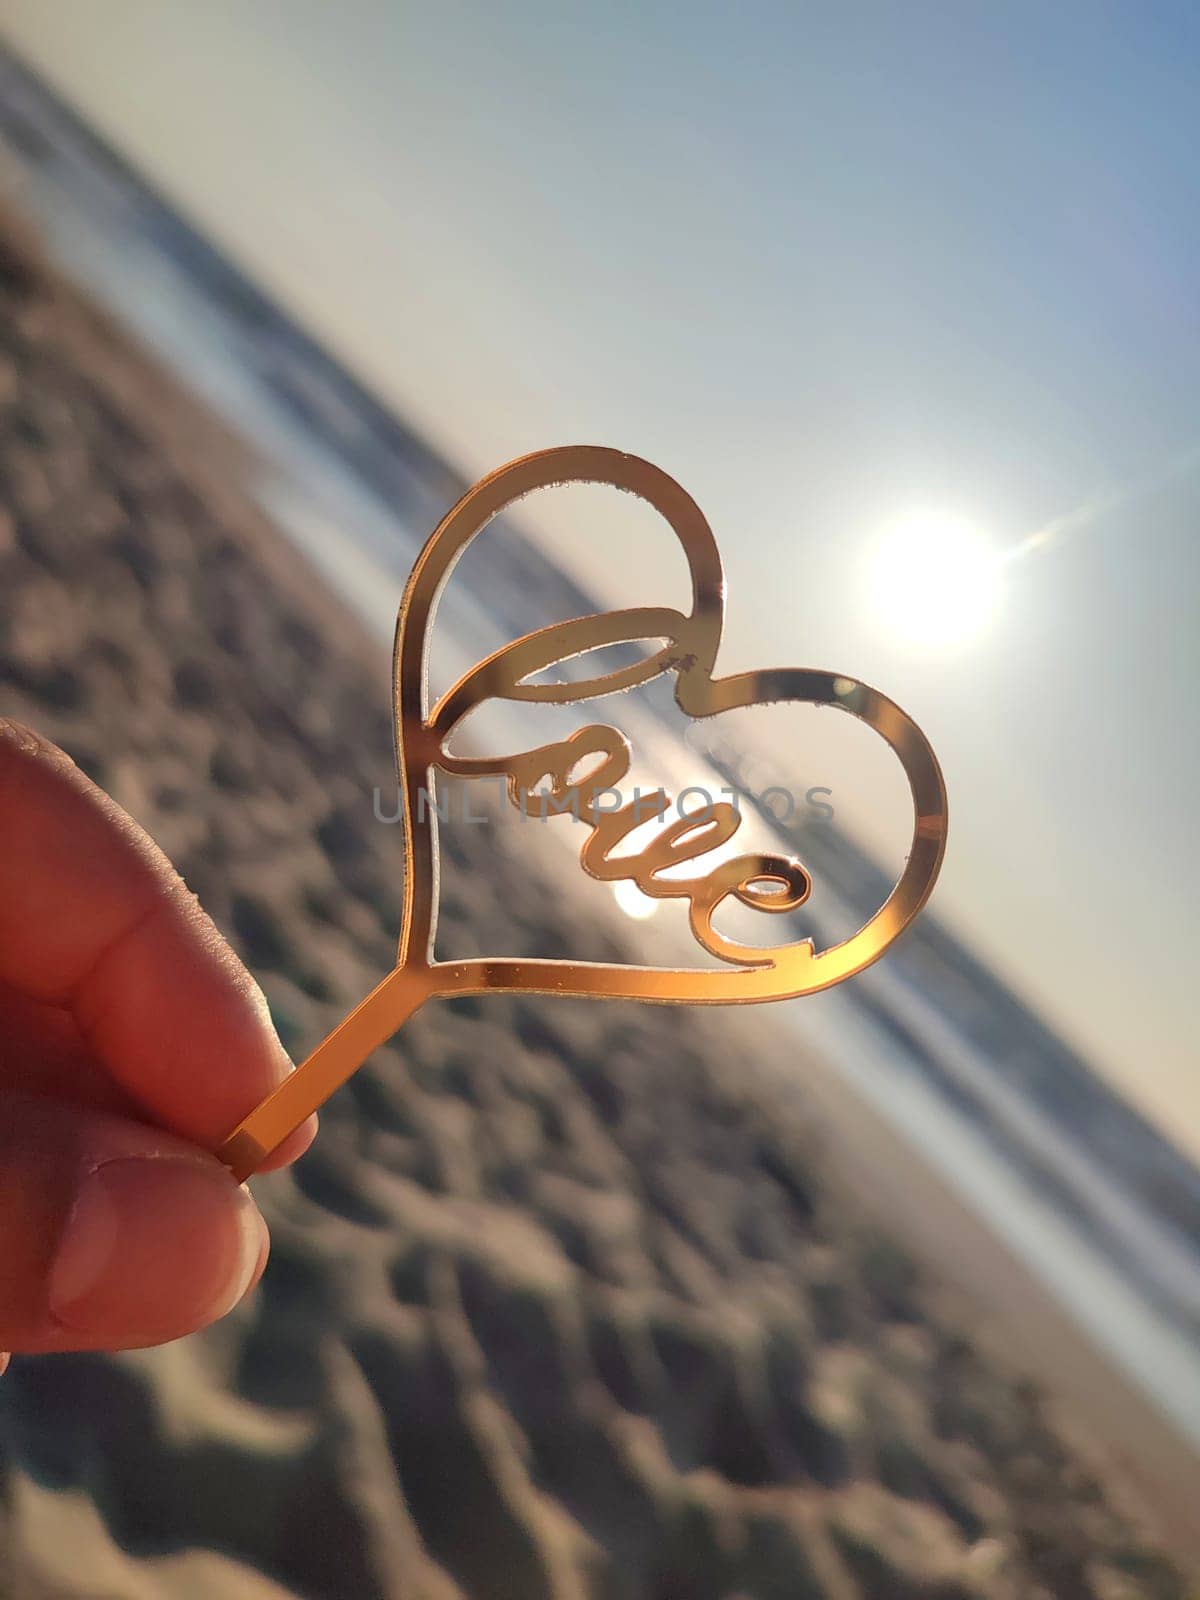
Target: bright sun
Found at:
935, 580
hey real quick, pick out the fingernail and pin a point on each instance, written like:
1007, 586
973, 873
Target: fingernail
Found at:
153, 1248
284, 1065
26, 739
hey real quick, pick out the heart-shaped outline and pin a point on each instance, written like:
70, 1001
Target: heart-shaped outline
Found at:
783, 973
693, 640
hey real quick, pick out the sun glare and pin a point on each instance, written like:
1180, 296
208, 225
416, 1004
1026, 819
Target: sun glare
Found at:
935, 580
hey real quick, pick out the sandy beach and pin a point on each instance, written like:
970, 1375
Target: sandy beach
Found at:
560, 1306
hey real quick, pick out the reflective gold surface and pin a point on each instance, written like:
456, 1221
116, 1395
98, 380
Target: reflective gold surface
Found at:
766, 883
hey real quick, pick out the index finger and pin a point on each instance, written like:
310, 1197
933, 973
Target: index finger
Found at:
94, 917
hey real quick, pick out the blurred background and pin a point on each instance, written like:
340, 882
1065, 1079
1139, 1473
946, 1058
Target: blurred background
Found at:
892, 1291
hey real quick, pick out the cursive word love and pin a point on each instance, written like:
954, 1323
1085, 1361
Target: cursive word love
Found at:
575, 773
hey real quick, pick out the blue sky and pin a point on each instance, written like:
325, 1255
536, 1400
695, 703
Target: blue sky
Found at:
824, 264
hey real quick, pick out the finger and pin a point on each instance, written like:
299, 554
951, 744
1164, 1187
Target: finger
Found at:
94, 918
42, 1052
114, 1235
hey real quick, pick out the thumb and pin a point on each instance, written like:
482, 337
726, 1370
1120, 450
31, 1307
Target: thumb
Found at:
114, 1235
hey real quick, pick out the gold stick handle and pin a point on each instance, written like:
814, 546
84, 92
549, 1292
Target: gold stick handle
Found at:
369, 1025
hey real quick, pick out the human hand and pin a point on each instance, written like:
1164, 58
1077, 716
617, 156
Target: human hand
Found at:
131, 1041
